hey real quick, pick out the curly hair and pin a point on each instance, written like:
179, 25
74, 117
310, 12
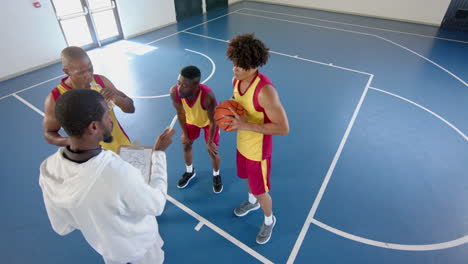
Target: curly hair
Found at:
247, 52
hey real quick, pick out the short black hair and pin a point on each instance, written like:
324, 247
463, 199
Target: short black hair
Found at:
191, 72
71, 54
77, 108
247, 52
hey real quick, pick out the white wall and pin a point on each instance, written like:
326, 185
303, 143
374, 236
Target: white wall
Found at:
230, 2
31, 37
420, 11
140, 16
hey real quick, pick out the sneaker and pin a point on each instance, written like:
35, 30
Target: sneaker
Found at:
186, 179
264, 234
245, 208
217, 184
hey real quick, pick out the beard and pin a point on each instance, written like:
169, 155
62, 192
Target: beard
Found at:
108, 138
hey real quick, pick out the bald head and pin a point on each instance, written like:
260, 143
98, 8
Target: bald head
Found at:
72, 54
78, 67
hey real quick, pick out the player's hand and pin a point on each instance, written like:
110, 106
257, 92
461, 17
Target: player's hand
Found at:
185, 140
212, 148
109, 94
164, 140
237, 122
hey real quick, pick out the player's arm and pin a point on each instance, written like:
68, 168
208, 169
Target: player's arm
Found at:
60, 219
210, 106
268, 98
118, 97
50, 127
180, 112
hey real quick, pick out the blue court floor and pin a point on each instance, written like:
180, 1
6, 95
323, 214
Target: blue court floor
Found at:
374, 169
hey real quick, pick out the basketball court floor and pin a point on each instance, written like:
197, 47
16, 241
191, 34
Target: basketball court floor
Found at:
374, 169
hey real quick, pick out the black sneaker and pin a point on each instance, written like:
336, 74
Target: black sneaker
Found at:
186, 177
217, 184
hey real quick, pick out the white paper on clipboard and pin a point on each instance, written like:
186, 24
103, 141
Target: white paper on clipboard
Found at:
138, 157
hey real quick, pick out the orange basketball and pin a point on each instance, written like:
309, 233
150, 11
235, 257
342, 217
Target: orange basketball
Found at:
223, 110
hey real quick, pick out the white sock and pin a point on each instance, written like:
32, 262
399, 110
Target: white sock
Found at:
269, 220
215, 173
189, 168
252, 198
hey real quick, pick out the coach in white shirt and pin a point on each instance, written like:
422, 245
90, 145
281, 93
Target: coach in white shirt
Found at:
94, 190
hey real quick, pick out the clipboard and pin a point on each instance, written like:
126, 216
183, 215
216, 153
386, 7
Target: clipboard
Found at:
138, 156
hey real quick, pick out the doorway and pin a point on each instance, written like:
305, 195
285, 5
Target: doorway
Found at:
88, 23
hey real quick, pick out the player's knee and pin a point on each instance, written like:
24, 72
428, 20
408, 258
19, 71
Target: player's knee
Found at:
213, 155
187, 146
263, 196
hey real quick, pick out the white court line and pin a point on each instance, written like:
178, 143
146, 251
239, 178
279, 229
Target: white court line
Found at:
307, 24
213, 70
361, 33
421, 56
286, 55
221, 40
32, 86
151, 42
219, 231
425, 109
356, 25
21, 99
148, 97
199, 226
193, 26
305, 228
427, 247
321, 63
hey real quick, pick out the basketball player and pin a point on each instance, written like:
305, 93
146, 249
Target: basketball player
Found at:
79, 70
265, 117
195, 105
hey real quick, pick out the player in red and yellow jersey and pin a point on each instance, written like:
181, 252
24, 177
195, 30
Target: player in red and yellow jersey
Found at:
80, 74
195, 104
265, 117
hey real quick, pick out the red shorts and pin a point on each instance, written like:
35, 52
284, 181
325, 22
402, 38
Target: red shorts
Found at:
194, 132
256, 172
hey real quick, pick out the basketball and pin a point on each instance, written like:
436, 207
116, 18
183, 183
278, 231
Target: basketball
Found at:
223, 110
